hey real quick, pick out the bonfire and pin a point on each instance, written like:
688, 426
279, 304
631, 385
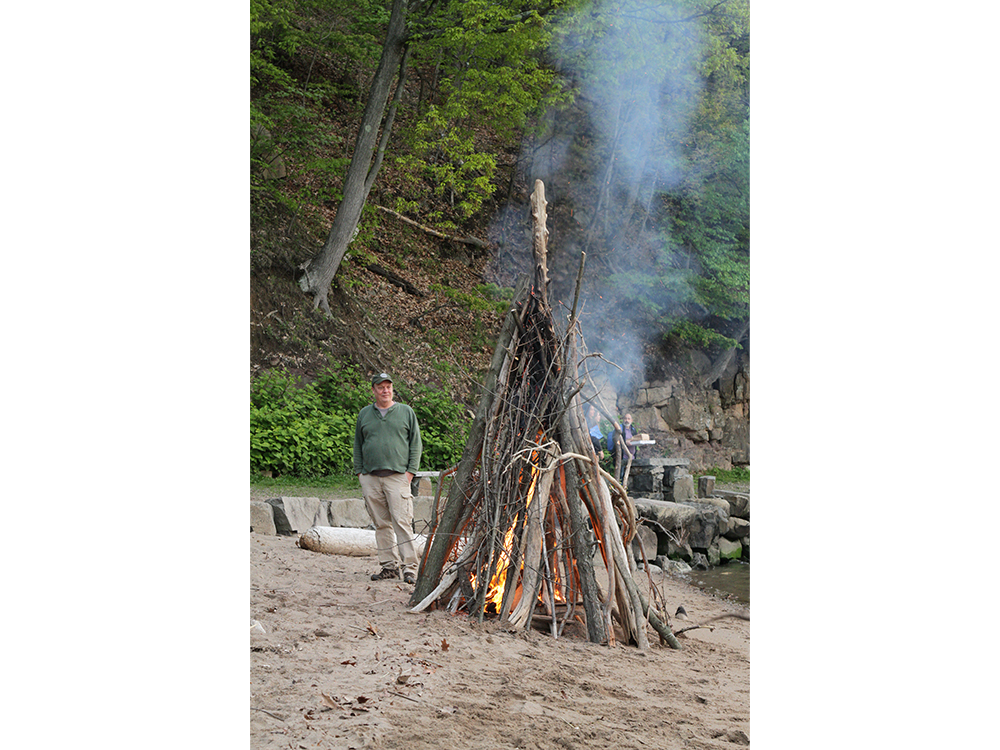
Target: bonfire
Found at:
529, 506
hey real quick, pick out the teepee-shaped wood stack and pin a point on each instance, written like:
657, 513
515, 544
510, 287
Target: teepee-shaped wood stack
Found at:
529, 504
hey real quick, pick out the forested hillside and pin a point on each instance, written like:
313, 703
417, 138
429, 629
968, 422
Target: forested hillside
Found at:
394, 147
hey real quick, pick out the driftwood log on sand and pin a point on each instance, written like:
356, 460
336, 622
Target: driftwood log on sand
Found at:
337, 540
529, 503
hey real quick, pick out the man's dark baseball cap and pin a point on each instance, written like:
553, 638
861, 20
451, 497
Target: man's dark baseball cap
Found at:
380, 377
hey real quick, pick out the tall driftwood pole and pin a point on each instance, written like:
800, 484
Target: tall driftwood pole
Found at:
539, 241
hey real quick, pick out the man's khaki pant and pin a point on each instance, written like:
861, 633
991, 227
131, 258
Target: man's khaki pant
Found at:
390, 505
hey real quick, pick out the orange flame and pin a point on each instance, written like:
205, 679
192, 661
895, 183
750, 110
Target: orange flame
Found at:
498, 582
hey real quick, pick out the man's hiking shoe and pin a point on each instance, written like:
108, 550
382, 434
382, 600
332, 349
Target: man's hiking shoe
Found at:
385, 573
410, 579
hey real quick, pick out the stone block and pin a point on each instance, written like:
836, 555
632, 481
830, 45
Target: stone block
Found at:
684, 415
715, 502
423, 506
739, 503
658, 396
705, 526
642, 482
667, 514
730, 550
674, 567
262, 518
296, 514
663, 461
649, 543
738, 529
682, 488
706, 486
713, 555
698, 525
349, 513
679, 550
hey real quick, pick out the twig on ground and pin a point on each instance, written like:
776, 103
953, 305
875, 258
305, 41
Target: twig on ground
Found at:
737, 615
393, 692
254, 708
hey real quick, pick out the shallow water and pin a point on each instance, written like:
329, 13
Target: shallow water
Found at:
731, 580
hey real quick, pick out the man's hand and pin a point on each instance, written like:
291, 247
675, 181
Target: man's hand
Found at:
409, 476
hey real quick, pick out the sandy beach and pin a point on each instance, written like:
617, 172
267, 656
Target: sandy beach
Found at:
338, 661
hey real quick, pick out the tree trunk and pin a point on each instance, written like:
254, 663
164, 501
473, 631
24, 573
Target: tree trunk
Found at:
320, 270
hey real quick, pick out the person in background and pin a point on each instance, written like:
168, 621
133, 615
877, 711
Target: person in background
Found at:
628, 450
387, 449
596, 436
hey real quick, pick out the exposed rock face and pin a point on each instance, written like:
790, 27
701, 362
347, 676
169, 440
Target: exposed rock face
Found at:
710, 426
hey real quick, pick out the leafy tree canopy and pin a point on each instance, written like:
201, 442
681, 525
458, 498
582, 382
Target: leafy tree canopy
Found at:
639, 109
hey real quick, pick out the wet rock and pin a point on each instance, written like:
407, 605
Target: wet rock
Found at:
730, 550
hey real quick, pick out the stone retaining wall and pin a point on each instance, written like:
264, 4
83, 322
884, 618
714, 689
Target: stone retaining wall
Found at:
674, 523
294, 515
703, 528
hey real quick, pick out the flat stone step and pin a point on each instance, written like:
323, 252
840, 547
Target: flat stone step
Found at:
668, 461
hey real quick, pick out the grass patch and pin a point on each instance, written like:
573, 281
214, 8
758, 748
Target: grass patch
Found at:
736, 475
329, 482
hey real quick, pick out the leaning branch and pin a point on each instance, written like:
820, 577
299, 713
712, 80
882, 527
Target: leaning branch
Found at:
392, 278
737, 615
475, 242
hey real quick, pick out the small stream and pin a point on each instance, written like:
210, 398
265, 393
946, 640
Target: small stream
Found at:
731, 579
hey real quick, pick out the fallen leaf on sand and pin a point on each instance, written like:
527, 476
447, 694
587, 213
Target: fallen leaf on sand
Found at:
329, 701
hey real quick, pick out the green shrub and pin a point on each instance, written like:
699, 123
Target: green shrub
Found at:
444, 428
291, 431
307, 429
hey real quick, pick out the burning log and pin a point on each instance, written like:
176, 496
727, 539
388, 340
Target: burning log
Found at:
529, 505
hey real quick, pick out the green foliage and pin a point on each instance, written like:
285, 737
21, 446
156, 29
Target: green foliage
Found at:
344, 388
700, 336
444, 427
489, 81
292, 433
656, 289
713, 222
488, 297
736, 475
444, 159
307, 429
666, 151
272, 35
291, 42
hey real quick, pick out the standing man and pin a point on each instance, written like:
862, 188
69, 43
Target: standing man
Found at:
387, 450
